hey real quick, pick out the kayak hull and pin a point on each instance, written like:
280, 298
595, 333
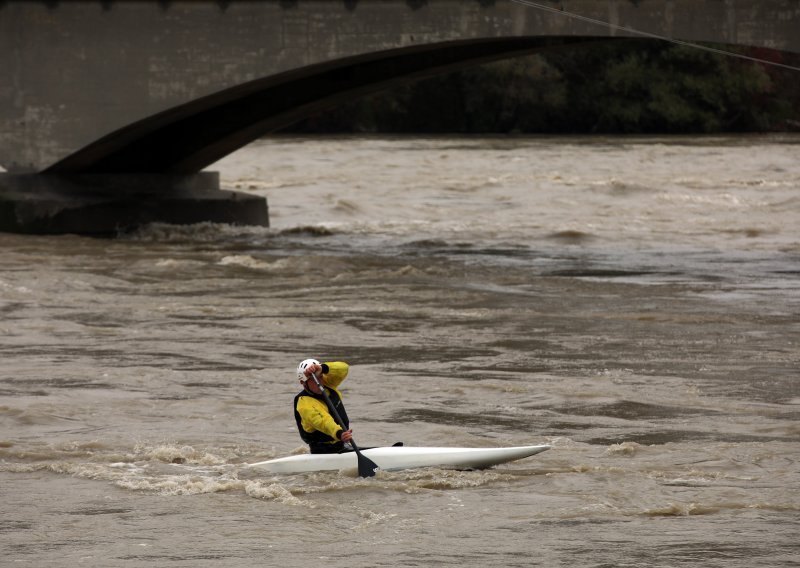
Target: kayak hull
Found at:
395, 458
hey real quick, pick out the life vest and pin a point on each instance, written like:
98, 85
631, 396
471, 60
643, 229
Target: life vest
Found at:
316, 439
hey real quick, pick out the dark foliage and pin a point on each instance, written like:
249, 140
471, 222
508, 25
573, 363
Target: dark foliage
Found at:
612, 87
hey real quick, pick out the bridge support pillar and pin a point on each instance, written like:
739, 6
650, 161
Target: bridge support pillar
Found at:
108, 204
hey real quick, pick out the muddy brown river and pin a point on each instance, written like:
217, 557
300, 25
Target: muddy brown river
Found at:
634, 302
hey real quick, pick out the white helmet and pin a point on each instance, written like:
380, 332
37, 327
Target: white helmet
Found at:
301, 368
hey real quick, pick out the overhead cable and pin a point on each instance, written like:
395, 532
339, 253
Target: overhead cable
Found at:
641, 33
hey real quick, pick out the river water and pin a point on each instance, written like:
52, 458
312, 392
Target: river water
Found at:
634, 302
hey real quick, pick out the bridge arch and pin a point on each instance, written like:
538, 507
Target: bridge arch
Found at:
111, 106
194, 135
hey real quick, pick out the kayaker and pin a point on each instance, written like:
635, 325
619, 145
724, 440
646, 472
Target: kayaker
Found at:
318, 428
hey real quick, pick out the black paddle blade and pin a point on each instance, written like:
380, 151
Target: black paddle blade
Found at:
366, 467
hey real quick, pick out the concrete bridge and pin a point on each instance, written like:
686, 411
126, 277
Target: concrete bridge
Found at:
110, 110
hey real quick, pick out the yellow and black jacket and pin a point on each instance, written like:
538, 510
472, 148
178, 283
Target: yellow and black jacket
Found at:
317, 426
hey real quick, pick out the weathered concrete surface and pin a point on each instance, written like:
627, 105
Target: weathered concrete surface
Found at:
110, 90
77, 72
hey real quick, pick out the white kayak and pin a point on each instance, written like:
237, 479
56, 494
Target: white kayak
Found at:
394, 458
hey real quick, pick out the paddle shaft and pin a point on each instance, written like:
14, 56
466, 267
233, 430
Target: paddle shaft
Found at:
368, 465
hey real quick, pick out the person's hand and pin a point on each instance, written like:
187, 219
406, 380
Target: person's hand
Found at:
347, 435
313, 370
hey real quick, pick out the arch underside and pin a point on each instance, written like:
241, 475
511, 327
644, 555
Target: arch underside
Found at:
192, 136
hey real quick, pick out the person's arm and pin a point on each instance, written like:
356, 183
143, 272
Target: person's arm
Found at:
334, 373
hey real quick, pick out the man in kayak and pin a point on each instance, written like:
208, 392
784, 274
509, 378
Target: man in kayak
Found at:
318, 428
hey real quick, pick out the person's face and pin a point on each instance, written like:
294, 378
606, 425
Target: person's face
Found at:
312, 386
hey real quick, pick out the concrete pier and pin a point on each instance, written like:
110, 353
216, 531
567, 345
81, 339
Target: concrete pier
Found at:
109, 204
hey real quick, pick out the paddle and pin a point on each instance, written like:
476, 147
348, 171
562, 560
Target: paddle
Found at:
366, 467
